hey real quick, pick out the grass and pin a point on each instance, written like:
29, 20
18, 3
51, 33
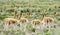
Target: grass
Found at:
36, 8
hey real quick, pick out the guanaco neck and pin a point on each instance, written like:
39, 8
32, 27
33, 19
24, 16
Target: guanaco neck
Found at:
43, 15
54, 15
20, 15
28, 15
14, 14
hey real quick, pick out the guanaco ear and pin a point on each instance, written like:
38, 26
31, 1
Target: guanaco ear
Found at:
20, 15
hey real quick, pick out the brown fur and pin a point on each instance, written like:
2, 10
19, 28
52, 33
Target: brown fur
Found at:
10, 21
23, 20
48, 19
36, 22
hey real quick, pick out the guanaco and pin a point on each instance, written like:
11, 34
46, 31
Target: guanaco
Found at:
11, 20
49, 19
23, 20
